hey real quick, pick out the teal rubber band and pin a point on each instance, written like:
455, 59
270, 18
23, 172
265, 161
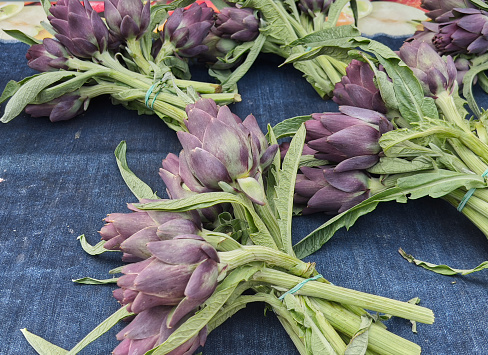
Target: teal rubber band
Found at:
468, 195
299, 286
148, 94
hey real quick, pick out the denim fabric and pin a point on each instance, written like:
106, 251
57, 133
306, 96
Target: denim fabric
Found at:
59, 180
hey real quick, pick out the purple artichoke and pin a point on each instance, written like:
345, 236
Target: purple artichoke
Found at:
466, 32
181, 272
440, 10
314, 7
172, 172
218, 48
149, 329
185, 30
51, 55
79, 28
221, 149
357, 88
436, 74
349, 138
127, 18
322, 189
238, 24
60, 109
426, 34
130, 232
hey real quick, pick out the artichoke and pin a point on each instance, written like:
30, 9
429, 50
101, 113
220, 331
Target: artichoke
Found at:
130, 232
436, 74
238, 24
222, 152
149, 329
466, 32
440, 10
184, 31
322, 189
51, 55
79, 28
314, 7
61, 108
127, 18
357, 88
349, 138
181, 272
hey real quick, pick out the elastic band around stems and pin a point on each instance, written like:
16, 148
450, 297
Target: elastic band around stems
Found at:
299, 286
468, 194
150, 91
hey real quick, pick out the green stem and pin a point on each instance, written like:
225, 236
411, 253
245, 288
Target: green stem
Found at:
347, 296
199, 86
474, 202
380, 340
134, 47
269, 219
251, 253
448, 107
469, 158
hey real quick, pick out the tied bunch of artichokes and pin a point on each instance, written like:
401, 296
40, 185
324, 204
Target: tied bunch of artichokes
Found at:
406, 137
223, 240
139, 55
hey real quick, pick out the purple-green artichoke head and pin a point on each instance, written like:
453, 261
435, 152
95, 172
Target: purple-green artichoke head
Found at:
239, 24
51, 55
440, 10
426, 34
315, 7
181, 272
435, 73
221, 151
463, 63
357, 88
148, 329
79, 28
466, 32
322, 189
60, 109
185, 30
218, 48
127, 18
350, 138
130, 232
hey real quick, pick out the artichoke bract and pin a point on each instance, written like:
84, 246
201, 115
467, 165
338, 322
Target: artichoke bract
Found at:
79, 28
130, 232
357, 88
350, 138
127, 18
223, 152
61, 108
181, 272
51, 55
149, 329
436, 74
466, 32
322, 189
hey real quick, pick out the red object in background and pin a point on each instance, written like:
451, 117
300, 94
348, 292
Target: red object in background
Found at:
413, 3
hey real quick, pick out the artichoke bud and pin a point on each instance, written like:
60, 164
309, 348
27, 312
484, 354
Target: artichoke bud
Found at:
219, 147
357, 88
51, 55
60, 109
79, 28
350, 138
181, 272
185, 30
322, 189
127, 18
238, 24
315, 7
435, 74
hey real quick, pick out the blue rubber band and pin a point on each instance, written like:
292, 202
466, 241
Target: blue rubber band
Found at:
299, 286
468, 195
150, 91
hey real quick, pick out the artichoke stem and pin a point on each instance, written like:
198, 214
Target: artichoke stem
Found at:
134, 47
446, 103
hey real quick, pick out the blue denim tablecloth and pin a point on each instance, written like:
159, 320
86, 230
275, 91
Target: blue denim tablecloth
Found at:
59, 180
